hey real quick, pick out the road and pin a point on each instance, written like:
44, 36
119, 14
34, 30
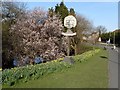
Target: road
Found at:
113, 67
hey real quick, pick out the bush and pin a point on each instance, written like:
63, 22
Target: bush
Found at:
85, 48
85, 56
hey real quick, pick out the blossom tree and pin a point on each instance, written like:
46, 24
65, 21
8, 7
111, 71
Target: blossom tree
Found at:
38, 33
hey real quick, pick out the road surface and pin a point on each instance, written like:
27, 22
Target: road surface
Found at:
113, 67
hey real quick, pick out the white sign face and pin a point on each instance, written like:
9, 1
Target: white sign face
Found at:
70, 21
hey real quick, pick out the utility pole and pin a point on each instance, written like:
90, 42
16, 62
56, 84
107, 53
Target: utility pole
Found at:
114, 40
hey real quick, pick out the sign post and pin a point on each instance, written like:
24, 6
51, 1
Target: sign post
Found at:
68, 51
69, 22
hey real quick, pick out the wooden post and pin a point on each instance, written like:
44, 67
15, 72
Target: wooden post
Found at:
68, 51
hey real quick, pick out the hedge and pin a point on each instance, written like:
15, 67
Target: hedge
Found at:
86, 55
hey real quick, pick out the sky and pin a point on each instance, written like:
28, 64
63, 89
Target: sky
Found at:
99, 13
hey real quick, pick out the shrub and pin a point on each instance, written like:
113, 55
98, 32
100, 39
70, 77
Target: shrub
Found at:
85, 48
85, 56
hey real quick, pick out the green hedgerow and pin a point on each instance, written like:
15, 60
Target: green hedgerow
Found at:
85, 56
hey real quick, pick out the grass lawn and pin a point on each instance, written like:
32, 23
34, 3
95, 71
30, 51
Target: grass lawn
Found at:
92, 73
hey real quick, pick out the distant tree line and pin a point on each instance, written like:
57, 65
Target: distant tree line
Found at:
113, 36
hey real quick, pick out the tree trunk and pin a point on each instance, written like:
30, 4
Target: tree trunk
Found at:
77, 48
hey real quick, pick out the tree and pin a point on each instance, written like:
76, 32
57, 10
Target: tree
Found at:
10, 12
101, 29
57, 8
39, 37
72, 12
83, 26
51, 12
105, 37
115, 35
62, 10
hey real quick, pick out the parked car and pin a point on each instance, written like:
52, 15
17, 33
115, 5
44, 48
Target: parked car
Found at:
38, 60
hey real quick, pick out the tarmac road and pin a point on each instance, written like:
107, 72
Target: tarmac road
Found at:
113, 67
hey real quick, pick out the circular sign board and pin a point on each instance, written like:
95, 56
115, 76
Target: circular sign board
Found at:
70, 21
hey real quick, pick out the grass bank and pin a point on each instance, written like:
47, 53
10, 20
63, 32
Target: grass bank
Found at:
92, 73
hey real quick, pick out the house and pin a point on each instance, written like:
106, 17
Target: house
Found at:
93, 37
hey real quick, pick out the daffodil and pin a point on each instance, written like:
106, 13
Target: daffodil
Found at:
0, 69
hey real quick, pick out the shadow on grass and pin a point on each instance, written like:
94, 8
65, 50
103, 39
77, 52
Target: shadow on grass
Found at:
109, 60
104, 57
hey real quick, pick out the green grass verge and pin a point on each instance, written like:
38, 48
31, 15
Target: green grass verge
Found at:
29, 72
92, 73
